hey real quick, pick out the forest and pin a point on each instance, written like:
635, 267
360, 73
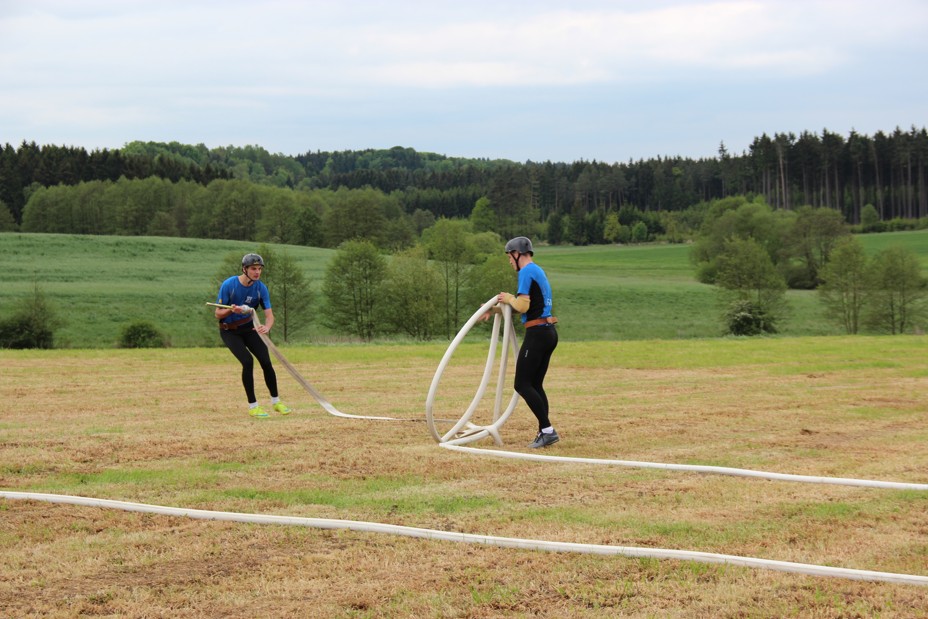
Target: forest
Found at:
390, 195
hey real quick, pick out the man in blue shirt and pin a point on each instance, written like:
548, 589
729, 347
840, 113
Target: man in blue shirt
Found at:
533, 299
244, 293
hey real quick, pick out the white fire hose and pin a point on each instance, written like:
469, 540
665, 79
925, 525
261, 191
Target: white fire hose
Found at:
488, 540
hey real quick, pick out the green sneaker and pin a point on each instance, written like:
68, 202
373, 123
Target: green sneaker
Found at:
258, 412
282, 408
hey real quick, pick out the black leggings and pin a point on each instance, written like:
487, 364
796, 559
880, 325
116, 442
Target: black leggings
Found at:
531, 366
246, 342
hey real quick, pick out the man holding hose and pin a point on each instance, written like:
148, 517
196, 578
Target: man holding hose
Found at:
242, 294
534, 301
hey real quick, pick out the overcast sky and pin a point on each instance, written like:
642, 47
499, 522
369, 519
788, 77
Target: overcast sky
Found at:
523, 80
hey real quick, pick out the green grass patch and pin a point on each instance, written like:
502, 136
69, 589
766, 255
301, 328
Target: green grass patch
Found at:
913, 240
224, 467
380, 495
83, 482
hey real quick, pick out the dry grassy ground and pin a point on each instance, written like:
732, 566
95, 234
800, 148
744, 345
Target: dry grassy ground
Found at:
168, 427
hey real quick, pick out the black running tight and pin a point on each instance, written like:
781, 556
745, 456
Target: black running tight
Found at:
244, 344
531, 366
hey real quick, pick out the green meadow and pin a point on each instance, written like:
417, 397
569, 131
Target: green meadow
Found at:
99, 284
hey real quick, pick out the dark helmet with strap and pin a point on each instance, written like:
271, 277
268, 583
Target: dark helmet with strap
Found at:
521, 244
249, 260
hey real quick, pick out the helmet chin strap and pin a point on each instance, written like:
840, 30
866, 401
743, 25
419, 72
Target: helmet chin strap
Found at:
245, 273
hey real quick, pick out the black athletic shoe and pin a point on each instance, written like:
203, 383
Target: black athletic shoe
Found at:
543, 440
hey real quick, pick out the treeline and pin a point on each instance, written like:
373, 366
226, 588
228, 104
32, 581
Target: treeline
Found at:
29, 167
224, 209
581, 202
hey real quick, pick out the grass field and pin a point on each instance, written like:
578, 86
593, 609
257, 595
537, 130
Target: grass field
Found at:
101, 284
167, 427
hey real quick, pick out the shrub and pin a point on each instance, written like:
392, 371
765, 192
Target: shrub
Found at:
870, 219
142, 334
21, 331
897, 224
797, 276
745, 317
32, 326
640, 232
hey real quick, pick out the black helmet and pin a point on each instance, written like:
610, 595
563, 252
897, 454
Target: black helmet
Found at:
251, 260
521, 244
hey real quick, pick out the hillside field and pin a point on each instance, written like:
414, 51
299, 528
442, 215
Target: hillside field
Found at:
100, 284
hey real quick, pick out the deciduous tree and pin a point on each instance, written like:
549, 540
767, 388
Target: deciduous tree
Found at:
291, 296
750, 282
448, 245
897, 291
413, 294
352, 288
809, 241
844, 285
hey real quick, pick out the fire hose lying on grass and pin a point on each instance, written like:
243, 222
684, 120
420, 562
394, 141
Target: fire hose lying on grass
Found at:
487, 540
464, 431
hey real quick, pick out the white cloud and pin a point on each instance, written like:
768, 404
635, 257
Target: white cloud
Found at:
341, 44
564, 47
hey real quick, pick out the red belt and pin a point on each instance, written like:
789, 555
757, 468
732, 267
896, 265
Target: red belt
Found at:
550, 320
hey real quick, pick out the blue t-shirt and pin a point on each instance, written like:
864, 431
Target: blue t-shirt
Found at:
232, 292
534, 283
